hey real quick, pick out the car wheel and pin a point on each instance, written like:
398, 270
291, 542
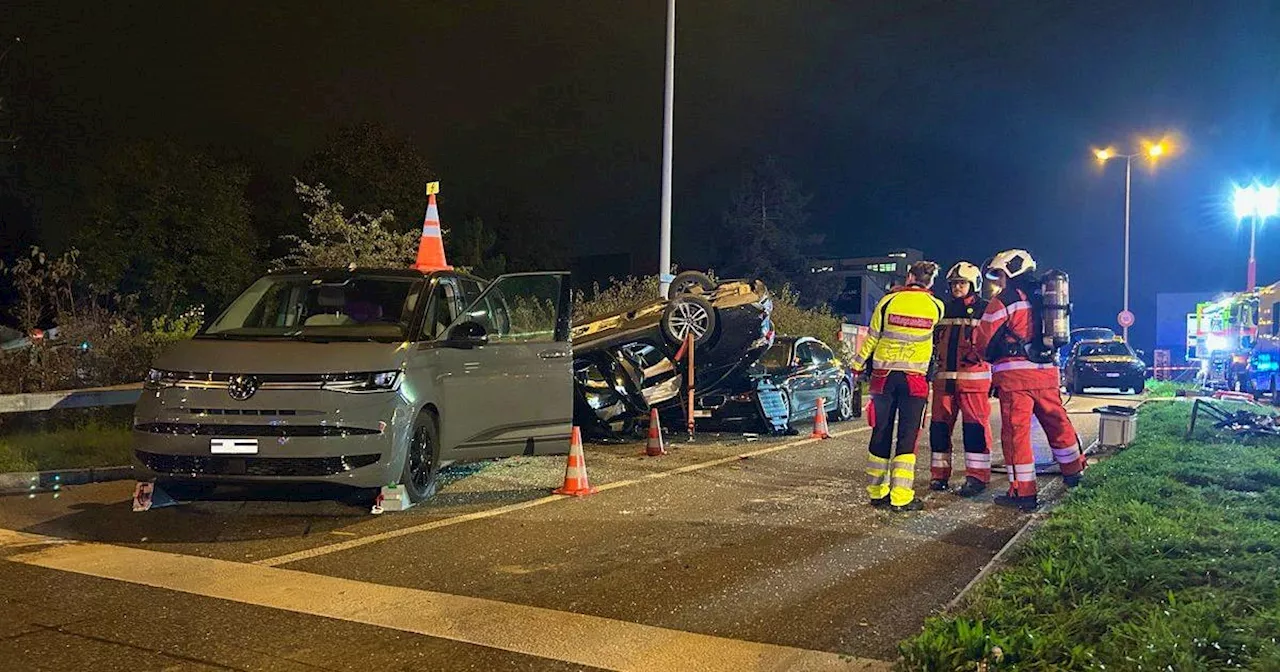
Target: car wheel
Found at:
689, 316
421, 472
689, 281
844, 401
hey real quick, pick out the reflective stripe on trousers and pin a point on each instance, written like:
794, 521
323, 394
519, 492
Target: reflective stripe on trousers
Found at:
903, 478
877, 477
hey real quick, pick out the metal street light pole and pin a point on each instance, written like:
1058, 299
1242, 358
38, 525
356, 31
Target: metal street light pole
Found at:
1154, 152
668, 110
1128, 184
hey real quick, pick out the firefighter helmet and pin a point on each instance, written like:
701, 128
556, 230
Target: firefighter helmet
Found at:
1013, 262
965, 271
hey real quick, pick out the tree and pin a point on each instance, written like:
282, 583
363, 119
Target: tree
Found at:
474, 248
168, 224
334, 239
762, 232
370, 169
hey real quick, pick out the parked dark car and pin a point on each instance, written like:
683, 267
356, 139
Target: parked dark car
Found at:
626, 363
1085, 334
1109, 363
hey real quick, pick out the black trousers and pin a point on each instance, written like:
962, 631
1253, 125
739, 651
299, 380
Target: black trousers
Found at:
903, 399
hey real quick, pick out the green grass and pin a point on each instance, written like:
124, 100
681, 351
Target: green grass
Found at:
1167, 388
1167, 559
89, 445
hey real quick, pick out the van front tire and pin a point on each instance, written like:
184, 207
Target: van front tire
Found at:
420, 474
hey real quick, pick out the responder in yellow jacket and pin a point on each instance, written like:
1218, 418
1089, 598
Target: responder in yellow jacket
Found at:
899, 352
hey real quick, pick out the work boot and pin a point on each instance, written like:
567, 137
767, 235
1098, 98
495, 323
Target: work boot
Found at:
1072, 481
880, 502
971, 487
938, 484
913, 505
1025, 504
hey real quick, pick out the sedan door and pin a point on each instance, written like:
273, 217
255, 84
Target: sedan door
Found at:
507, 389
827, 376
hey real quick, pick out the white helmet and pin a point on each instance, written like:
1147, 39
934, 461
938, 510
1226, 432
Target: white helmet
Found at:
965, 271
1012, 262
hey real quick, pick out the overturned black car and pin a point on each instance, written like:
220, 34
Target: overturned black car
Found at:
628, 363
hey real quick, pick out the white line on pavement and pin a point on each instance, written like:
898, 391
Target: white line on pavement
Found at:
558, 635
480, 515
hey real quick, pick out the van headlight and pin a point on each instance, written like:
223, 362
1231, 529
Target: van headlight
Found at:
384, 380
364, 383
158, 379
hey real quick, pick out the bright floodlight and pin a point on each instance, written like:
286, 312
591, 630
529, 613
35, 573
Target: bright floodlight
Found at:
1268, 201
1257, 201
1102, 154
1156, 149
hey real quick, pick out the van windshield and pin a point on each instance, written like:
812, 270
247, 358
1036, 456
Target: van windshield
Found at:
339, 306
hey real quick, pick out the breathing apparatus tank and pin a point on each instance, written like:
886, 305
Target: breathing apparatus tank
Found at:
1055, 319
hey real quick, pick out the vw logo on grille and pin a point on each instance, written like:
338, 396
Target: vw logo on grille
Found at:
241, 387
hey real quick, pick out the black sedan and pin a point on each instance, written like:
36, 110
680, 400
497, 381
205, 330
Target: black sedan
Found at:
1109, 363
785, 386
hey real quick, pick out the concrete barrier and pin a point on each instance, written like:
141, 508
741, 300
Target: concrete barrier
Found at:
118, 395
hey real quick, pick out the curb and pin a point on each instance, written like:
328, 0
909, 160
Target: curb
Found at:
35, 481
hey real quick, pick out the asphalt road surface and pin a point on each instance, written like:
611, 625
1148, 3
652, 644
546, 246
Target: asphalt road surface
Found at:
727, 554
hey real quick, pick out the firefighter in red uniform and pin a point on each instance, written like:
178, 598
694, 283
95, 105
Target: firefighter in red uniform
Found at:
1008, 326
961, 386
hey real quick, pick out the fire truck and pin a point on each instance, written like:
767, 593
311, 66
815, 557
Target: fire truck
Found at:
1236, 341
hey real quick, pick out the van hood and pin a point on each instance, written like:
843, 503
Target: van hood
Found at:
275, 357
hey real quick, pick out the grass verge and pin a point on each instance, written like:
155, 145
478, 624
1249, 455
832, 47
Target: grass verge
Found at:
1167, 559
1168, 388
92, 444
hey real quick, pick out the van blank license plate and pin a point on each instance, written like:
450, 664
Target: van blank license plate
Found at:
233, 446
1113, 375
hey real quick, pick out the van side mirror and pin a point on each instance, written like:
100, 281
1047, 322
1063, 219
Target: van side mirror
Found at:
466, 335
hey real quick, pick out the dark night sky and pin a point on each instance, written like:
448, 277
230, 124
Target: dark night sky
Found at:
956, 127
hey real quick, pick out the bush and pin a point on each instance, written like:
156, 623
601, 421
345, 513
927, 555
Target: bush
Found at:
100, 339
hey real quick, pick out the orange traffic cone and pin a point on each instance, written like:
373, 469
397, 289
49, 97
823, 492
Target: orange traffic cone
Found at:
820, 421
655, 446
431, 248
575, 472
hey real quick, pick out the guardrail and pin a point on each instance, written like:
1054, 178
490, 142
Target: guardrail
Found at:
117, 395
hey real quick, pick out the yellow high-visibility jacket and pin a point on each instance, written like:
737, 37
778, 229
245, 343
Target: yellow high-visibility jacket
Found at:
901, 337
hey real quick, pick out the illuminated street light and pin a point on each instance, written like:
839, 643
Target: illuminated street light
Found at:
1257, 204
1154, 151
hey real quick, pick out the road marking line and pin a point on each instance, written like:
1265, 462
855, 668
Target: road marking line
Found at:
489, 513
546, 633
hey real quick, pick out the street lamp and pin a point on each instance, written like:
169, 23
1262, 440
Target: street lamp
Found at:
1152, 151
1257, 203
668, 110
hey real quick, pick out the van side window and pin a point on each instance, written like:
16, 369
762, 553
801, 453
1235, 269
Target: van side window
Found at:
443, 308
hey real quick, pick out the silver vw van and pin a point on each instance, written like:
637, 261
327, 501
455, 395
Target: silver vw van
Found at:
363, 377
